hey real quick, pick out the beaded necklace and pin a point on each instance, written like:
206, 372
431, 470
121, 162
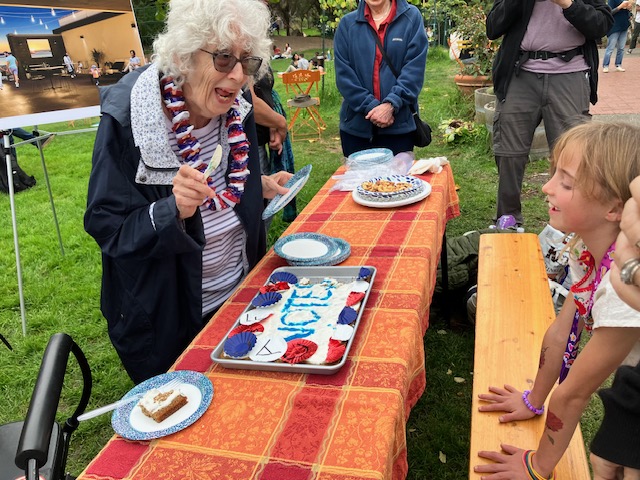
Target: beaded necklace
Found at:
189, 146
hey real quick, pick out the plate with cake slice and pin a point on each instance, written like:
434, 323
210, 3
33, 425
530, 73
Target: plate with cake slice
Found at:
161, 411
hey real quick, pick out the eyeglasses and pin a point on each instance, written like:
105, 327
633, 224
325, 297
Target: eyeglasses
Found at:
224, 62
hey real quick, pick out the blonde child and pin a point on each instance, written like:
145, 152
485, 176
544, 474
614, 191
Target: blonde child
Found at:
593, 165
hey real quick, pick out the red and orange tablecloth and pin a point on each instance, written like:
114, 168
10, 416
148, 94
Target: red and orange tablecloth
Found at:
346, 426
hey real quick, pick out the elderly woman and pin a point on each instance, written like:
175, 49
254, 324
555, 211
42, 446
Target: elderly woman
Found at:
376, 109
176, 244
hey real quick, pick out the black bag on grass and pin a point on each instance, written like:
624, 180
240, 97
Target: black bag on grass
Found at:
21, 180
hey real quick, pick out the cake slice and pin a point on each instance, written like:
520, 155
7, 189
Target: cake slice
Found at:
160, 405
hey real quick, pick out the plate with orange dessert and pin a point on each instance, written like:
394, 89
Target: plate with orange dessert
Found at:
162, 411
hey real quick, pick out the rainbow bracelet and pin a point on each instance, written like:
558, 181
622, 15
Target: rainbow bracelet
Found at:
527, 461
525, 399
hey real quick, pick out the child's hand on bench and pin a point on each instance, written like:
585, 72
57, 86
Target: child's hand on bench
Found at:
507, 399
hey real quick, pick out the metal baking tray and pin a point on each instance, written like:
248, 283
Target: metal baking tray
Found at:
315, 275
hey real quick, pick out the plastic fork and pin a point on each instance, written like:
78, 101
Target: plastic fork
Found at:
125, 401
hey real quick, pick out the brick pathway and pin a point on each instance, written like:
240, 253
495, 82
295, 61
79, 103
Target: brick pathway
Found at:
616, 90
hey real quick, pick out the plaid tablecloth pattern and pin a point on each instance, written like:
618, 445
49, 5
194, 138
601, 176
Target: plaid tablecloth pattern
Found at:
346, 426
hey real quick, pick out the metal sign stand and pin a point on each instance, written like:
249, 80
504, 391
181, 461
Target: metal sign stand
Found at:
39, 140
7, 153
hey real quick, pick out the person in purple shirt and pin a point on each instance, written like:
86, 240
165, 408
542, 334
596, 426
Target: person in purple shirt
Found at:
546, 69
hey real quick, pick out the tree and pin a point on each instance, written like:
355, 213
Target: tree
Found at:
336, 9
150, 18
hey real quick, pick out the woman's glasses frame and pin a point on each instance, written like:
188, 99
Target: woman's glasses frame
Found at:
224, 62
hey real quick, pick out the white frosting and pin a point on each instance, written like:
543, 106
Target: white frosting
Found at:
149, 400
309, 312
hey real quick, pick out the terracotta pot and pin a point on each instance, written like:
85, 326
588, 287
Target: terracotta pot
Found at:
468, 83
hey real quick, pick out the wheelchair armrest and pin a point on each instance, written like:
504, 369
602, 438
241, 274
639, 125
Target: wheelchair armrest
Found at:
36, 433
34, 440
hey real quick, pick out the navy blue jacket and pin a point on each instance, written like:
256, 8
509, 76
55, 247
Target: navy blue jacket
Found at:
152, 277
354, 46
509, 19
620, 18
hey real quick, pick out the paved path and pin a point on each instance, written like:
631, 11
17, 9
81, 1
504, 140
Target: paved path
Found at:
616, 90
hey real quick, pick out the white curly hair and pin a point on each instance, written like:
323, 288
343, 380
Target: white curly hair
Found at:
195, 24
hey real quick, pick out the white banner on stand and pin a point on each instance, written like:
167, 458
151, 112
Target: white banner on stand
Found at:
62, 50
53, 59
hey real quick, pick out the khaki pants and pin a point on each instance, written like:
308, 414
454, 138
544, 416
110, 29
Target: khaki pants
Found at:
561, 100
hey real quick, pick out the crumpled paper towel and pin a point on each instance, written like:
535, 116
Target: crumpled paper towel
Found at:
433, 165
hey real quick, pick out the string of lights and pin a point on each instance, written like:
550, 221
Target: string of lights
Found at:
40, 16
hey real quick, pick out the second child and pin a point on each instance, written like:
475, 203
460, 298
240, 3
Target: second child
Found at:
593, 165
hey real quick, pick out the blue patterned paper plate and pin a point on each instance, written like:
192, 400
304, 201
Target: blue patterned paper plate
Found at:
129, 422
343, 251
415, 187
294, 185
306, 247
368, 158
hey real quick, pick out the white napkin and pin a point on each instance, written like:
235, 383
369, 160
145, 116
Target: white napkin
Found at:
433, 165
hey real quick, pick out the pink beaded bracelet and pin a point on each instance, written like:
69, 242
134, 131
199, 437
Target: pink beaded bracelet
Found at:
525, 399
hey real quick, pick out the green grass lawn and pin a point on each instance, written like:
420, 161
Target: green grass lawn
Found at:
62, 292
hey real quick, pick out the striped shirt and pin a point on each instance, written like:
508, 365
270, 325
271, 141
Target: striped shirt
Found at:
223, 258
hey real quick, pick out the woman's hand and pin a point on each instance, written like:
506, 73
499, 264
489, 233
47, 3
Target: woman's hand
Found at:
190, 190
381, 115
508, 464
507, 399
276, 139
272, 184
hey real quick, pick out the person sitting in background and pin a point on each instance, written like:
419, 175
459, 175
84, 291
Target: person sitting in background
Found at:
287, 51
314, 65
176, 244
294, 63
277, 53
303, 63
134, 62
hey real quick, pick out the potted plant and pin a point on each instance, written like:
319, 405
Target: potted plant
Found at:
470, 25
98, 56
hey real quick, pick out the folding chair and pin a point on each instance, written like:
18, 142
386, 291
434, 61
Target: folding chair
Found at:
37, 448
306, 120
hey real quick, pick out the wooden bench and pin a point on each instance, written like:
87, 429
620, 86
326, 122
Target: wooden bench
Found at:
514, 309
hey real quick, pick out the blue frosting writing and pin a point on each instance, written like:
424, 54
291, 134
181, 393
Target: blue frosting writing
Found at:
307, 302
